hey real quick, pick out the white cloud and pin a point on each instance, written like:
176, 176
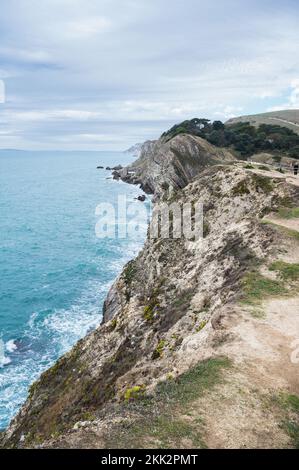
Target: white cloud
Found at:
87, 67
292, 100
294, 97
84, 28
37, 56
53, 115
2, 91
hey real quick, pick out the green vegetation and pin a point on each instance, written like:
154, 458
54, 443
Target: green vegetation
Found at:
194, 382
257, 287
286, 231
290, 405
129, 272
159, 420
292, 428
292, 402
134, 392
241, 188
241, 137
169, 432
263, 182
258, 313
148, 313
289, 212
201, 326
287, 271
158, 352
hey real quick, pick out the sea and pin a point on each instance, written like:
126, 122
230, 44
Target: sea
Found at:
55, 271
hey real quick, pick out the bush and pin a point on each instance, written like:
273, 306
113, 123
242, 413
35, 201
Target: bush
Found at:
241, 137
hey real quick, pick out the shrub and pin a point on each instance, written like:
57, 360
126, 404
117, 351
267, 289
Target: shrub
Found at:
134, 392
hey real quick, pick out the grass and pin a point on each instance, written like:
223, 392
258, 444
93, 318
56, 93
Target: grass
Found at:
293, 402
258, 313
256, 288
263, 182
162, 421
158, 352
289, 405
193, 383
134, 392
286, 271
129, 272
241, 188
289, 212
286, 231
168, 432
292, 428
288, 402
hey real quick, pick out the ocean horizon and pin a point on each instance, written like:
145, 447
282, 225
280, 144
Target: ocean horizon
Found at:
55, 273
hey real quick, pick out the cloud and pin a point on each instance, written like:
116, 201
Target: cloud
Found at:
2, 92
84, 28
292, 100
294, 97
130, 69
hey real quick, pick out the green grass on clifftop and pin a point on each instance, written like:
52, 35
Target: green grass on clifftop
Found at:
289, 212
256, 288
166, 419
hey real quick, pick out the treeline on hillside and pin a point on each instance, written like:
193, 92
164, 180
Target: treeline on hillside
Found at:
242, 137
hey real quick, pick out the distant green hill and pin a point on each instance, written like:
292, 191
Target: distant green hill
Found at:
288, 118
247, 135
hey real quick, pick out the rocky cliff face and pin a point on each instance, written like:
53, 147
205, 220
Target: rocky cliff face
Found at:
163, 314
170, 166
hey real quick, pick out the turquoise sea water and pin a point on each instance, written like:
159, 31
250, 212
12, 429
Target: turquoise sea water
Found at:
54, 271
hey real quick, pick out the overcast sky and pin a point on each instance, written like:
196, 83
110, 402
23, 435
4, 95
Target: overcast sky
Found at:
105, 74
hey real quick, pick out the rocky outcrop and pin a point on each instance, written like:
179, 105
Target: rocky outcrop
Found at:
163, 313
165, 167
135, 150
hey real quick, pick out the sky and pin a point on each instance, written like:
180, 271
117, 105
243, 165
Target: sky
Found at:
105, 74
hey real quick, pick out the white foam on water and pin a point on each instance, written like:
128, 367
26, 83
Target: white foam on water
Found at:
10, 346
4, 361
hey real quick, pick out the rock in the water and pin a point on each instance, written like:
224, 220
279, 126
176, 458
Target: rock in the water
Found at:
116, 175
141, 198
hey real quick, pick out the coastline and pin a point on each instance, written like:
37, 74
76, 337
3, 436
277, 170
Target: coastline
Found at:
51, 324
168, 342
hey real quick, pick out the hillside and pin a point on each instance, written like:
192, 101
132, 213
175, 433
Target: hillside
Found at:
242, 138
196, 343
288, 118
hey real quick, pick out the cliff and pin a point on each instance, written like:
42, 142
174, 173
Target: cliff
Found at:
169, 166
184, 356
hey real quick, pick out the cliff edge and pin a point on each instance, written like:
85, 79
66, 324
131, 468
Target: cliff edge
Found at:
195, 345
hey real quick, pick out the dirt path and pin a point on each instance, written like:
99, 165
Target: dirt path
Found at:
292, 224
261, 350
245, 413
288, 177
